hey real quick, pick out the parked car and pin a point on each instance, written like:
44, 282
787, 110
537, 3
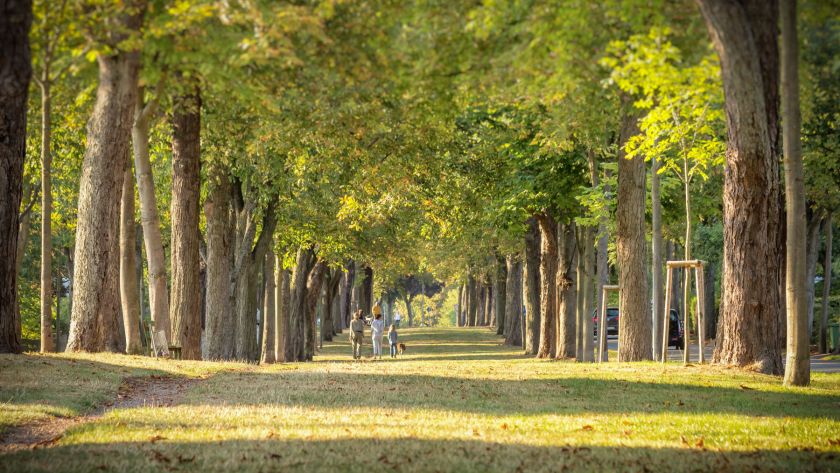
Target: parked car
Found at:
612, 321
675, 327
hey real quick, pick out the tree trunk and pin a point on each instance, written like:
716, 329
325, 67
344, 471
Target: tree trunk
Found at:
313, 292
295, 339
347, 292
460, 309
46, 215
410, 312
186, 194
548, 285
221, 320
500, 295
567, 285
709, 310
745, 36
814, 228
588, 284
634, 321
826, 302
471, 301
281, 311
15, 72
482, 304
366, 300
152, 239
532, 288
798, 366
656, 265
268, 325
95, 320
513, 302
129, 291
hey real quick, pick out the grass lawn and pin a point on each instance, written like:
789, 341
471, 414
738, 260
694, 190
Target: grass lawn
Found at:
457, 401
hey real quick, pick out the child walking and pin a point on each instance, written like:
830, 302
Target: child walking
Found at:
392, 339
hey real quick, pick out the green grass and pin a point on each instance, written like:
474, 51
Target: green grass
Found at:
458, 401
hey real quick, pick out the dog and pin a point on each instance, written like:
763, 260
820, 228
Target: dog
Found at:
401, 348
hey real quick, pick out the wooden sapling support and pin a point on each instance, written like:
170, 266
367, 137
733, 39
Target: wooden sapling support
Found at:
602, 323
700, 289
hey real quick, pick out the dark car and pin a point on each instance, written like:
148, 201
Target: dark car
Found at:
675, 328
612, 321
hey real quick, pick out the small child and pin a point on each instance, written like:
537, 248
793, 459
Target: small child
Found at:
392, 339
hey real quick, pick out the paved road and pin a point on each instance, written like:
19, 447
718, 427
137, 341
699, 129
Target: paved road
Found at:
817, 363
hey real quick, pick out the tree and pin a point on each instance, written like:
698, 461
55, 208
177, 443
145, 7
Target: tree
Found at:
94, 323
269, 327
15, 72
129, 291
548, 285
634, 324
186, 195
220, 325
744, 34
513, 304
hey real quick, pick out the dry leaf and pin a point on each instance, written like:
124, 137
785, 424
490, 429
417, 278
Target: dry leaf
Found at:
587, 428
699, 443
747, 388
155, 438
683, 440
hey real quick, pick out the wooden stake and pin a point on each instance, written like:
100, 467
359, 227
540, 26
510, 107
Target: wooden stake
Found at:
665, 324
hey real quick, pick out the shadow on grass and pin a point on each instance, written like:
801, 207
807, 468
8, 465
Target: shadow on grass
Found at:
561, 395
403, 455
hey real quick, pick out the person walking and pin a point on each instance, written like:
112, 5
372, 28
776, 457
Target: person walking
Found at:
392, 339
397, 318
357, 334
377, 330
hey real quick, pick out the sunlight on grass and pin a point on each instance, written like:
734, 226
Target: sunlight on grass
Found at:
457, 401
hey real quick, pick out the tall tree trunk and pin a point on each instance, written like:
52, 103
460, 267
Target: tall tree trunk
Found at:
656, 265
634, 322
281, 311
567, 288
221, 321
751, 331
366, 299
295, 340
580, 293
500, 295
709, 310
46, 213
347, 292
410, 312
588, 284
798, 366
548, 285
152, 238
460, 309
513, 302
472, 301
313, 292
129, 291
532, 288
95, 320
268, 325
826, 302
481, 303
186, 194
15, 72
814, 228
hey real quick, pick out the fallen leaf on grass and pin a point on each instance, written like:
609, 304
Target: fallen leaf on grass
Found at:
182, 459
504, 426
699, 443
747, 388
587, 428
683, 440
155, 438
834, 442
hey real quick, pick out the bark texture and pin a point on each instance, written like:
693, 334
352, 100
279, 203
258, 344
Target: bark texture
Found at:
220, 325
548, 285
15, 73
566, 290
532, 288
634, 321
798, 365
185, 306
513, 302
500, 295
295, 346
149, 218
751, 331
268, 316
313, 293
657, 264
47, 344
129, 290
826, 304
281, 311
95, 320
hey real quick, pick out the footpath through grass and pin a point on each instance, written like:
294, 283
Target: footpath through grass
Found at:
457, 401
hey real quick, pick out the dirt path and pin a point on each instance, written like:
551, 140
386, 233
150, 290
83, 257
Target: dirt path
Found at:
140, 391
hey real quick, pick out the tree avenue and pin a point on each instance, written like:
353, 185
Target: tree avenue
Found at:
252, 174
